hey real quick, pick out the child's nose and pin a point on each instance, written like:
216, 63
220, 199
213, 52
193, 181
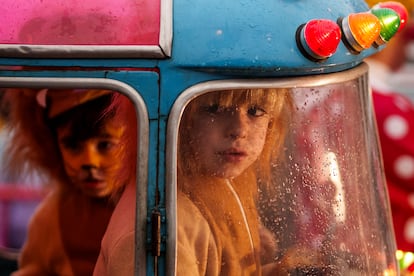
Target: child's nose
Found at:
238, 124
90, 157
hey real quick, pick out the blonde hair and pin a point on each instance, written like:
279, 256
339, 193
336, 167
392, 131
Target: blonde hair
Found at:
276, 101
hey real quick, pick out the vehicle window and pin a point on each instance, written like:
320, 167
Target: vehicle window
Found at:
281, 181
67, 156
86, 29
80, 22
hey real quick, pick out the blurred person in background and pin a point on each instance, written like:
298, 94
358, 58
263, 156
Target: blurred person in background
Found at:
395, 120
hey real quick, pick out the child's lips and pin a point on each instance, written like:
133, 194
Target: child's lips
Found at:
233, 155
93, 182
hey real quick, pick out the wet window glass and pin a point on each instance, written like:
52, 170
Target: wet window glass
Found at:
66, 156
82, 22
281, 181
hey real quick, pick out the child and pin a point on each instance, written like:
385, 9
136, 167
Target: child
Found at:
227, 143
75, 138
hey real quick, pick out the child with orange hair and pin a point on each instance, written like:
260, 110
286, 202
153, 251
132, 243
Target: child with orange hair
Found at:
75, 139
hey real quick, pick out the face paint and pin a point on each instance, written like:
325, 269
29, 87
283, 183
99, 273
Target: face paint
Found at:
91, 163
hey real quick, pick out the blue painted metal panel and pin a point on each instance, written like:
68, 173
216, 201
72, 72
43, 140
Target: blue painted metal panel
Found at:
255, 37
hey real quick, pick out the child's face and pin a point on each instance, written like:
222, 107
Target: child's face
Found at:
226, 140
92, 163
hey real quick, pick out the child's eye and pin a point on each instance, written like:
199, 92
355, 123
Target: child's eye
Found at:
105, 145
256, 111
213, 109
71, 144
